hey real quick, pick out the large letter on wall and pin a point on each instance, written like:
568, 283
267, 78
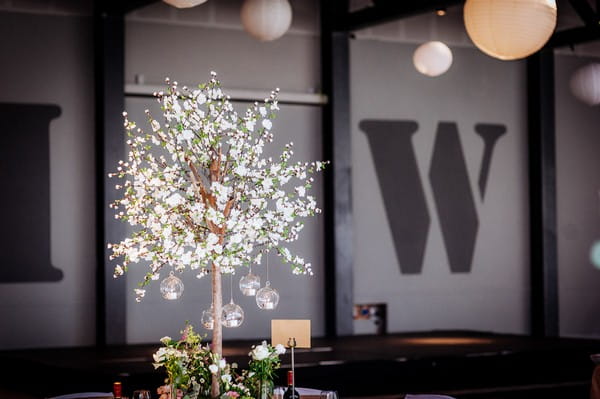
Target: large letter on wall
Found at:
453, 198
401, 187
25, 199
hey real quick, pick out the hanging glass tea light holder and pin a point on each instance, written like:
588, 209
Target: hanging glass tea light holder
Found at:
267, 298
233, 314
208, 318
171, 288
250, 283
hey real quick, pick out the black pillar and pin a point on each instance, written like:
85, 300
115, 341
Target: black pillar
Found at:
110, 148
335, 75
542, 208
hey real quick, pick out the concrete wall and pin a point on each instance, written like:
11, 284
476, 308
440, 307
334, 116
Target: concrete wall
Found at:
490, 290
49, 60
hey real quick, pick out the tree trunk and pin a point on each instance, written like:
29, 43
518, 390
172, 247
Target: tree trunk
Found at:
217, 340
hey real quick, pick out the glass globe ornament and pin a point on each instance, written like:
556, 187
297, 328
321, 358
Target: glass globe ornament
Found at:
249, 284
233, 315
171, 287
267, 298
208, 318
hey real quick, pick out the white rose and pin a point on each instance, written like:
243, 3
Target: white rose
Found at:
213, 368
222, 363
260, 352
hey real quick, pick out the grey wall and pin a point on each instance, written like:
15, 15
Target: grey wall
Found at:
493, 294
187, 44
578, 204
48, 60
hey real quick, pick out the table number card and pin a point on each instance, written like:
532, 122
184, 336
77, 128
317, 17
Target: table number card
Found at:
283, 330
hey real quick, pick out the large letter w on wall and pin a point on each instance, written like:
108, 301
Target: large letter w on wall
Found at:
404, 197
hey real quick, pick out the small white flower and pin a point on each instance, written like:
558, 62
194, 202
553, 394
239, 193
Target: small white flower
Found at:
222, 363
187, 134
267, 124
279, 349
165, 339
226, 378
213, 368
174, 200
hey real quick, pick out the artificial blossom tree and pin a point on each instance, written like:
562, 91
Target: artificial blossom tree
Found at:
201, 195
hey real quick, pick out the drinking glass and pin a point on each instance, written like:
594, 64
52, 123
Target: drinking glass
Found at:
142, 394
329, 395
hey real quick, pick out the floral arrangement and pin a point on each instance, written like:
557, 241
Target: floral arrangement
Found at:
263, 363
190, 367
201, 195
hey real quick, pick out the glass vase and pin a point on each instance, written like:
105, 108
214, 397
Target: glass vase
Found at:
265, 389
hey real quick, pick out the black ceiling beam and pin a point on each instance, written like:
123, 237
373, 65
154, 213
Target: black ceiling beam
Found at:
120, 7
574, 36
585, 12
587, 33
387, 11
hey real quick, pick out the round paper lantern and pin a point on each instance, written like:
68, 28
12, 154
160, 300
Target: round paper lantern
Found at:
266, 20
585, 84
510, 29
184, 3
432, 58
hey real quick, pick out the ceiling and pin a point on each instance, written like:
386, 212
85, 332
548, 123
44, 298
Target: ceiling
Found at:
578, 20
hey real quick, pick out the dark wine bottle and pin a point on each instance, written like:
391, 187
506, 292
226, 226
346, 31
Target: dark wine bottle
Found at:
290, 392
117, 390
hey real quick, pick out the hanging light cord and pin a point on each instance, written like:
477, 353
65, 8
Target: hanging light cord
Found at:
231, 286
267, 256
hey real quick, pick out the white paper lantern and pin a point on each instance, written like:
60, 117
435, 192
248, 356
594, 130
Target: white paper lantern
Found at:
184, 3
510, 29
432, 58
266, 20
585, 84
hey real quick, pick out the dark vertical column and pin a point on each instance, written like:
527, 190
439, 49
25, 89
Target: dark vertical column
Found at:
335, 76
110, 103
542, 182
